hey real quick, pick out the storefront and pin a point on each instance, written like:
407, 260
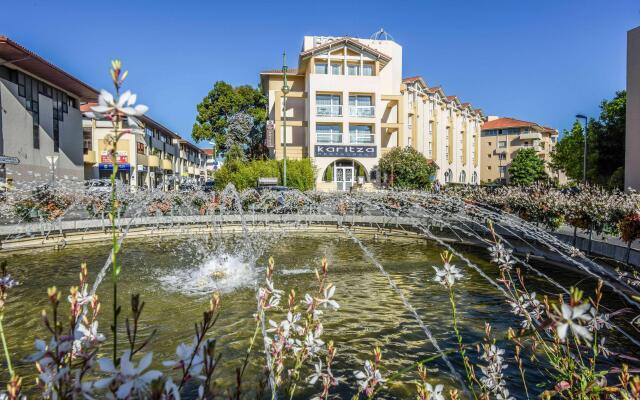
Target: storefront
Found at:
123, 175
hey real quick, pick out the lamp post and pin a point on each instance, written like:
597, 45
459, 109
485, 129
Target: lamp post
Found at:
584, 155
285, 91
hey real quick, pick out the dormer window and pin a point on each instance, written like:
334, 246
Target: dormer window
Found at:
322, 68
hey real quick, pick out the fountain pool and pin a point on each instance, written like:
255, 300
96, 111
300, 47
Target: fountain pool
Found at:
176, 276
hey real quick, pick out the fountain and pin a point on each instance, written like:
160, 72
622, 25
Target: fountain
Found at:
381, 247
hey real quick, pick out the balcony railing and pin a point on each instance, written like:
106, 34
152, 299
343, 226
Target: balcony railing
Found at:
329, 137
362, 111
360, 137
334, 110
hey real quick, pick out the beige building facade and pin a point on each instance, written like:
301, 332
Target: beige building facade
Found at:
632, 132
348, 106
501, 138
151, 157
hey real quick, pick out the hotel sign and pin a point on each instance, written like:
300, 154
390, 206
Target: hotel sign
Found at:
322, 150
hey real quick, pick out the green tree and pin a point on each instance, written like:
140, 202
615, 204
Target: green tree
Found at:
219, 106
406, 168
605, 142
567, 155
526, 168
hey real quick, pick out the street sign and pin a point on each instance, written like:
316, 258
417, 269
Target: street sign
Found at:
9, 160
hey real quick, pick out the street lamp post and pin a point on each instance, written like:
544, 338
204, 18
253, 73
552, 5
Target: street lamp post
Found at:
285, 91
585, 147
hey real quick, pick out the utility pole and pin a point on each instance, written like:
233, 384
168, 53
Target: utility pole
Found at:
285, 91
585, 147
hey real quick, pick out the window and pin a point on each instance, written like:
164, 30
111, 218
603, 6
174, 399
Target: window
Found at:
502, 144
463, 177
360, 134
474, 177
448, 176
328, 134
321, 68
336, 68
367, 69
86, 139
503, 171
361, 106
328, 105
353, 69
502, 156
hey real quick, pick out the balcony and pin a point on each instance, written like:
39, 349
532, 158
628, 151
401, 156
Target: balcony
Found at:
361, 138
166, 164
531, 136
329, 137
154, 161
89, 156
362, 111
334, 110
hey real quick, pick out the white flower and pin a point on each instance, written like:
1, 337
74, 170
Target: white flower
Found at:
571, 316
328, 294
171, 391
493, 378
367, 375
527, 305
6, 282
82, 297
448, 275
186, 354
313, 378
129, 377
436, 393
124, 105
501, 256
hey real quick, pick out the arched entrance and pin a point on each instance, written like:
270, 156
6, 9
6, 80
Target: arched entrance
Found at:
345, 174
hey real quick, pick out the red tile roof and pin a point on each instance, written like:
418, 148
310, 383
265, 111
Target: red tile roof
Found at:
507, 123
208, 152
13, 53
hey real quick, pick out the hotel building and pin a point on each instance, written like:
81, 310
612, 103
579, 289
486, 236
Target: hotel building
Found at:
348, 106
40, 118
503, 137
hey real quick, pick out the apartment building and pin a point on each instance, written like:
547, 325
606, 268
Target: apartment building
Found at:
445, 130
632, 134
40, 118
502, 137
152, 156
348, 105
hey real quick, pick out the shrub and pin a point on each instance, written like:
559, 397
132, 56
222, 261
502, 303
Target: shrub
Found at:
244, 175
406, 168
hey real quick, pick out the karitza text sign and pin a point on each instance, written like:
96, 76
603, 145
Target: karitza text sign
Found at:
345, 151
9, 160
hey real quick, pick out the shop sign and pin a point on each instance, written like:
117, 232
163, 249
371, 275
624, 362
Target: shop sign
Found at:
122, 157
322, 150
142, 168
109, 167
140, 148
270, 137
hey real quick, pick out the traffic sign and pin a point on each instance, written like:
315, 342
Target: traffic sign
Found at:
9, 160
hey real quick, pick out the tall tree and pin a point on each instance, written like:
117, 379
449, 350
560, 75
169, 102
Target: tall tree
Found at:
526, 168
217, 108
567, 155
605, 141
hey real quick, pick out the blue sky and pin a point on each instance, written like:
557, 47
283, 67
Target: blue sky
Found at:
541, 60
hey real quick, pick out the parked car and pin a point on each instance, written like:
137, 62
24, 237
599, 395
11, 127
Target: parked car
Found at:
207, 187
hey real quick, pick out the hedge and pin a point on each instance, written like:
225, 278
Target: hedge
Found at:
245, 174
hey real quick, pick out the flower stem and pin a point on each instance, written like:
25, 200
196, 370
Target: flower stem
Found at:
114, 240
460, 344
5, 347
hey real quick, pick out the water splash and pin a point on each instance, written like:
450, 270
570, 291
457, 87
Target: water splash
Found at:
222, 273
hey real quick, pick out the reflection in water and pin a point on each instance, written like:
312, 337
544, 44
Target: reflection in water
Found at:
175, 283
